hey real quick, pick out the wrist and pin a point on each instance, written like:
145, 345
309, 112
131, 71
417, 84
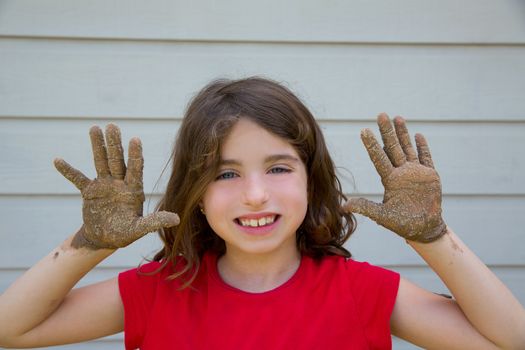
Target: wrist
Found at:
434, 234
78, 242
436, 239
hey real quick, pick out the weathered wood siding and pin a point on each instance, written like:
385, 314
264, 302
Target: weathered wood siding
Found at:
455, 70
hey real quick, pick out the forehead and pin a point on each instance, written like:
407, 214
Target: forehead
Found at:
247, 137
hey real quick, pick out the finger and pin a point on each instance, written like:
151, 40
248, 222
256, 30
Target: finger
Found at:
115, 152
156, 221
404, 139
75, 176
135, 164
392, 147
423, 151
100, 155
377, 155
363, 206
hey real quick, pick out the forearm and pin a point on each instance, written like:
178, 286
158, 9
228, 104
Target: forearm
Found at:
486, 302
38, 292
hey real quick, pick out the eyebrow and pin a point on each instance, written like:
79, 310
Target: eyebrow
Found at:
269, 159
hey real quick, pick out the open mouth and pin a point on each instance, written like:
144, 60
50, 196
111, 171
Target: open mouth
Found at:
260, 222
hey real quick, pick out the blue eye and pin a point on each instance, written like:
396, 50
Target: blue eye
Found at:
226, 175
279, 170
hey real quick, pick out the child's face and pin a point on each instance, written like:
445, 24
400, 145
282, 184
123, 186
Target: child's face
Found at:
259, 197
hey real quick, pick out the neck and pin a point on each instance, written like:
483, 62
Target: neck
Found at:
257, 273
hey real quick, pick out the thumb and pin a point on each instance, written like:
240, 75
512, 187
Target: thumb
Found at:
75, 176
155, 221
363, 206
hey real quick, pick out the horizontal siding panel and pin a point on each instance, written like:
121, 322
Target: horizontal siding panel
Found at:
334, 21
32, 226
480, 158
477, 220
84, 78
29, 146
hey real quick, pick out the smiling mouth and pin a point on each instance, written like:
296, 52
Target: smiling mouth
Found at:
260, 222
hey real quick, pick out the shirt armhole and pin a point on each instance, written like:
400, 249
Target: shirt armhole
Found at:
375, 291
137, 292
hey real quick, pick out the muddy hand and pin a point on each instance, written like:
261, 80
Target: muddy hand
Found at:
412, 201
112, 202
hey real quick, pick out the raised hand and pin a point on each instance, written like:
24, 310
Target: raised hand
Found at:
112, 202
412, 201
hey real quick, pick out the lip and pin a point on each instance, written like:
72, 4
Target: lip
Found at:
259, 230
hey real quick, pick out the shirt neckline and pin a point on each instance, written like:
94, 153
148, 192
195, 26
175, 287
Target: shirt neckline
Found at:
211, 266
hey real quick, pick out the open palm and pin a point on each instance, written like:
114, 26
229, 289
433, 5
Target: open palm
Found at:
113, 201
412, 200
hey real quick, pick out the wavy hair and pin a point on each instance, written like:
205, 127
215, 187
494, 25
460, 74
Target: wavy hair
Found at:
209, 118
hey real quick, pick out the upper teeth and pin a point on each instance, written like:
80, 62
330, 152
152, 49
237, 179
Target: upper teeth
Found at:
258, 222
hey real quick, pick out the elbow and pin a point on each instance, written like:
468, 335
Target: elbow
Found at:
513, 344
6, 344
519, 344
519, 339
11, 345
516, 343
8, 341
515, 334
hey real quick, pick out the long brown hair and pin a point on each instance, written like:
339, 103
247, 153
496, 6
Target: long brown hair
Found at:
195, 159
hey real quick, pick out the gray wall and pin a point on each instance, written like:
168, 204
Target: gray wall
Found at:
455, 70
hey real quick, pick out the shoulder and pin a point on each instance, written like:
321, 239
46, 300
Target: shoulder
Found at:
147, 269
143, 281
145, 273
364, 272
360, 279
364, 281
139, 281
355, 271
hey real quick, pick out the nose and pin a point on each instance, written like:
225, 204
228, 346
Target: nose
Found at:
255, 191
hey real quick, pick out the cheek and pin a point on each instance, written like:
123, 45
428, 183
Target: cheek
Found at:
216, 199
304, 201
296, 194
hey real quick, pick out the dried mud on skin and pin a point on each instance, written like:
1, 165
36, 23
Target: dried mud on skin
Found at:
411, 204
113, 201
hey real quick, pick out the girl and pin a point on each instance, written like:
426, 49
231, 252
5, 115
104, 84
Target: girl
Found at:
255, 258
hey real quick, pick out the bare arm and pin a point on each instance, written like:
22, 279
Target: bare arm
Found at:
484, 314
40, 309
